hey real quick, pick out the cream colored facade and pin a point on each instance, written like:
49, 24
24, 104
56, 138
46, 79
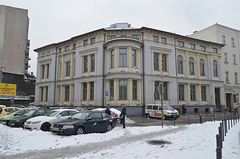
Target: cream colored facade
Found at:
116, 66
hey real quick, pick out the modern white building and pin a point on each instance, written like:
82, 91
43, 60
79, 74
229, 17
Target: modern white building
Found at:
124, 65
230, 38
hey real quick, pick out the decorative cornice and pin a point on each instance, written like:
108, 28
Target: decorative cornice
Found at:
88, 50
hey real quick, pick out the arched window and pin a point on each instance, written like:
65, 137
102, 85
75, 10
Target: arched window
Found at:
191, 66
202, 70
180, 64
215, 68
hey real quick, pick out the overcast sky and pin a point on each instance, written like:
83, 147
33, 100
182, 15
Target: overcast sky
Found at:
52, 21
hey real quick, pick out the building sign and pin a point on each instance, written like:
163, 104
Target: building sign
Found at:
8, 89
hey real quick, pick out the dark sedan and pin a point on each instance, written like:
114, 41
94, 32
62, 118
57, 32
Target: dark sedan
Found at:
19, 121
85, 122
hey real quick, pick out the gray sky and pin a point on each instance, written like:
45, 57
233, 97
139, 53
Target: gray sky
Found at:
52, 21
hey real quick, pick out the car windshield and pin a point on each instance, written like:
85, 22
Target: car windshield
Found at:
52, 113
80, 116
30, 113
167, 107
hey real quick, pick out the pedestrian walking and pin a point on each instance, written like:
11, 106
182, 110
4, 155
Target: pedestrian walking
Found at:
183, 110
108, 110
122, 116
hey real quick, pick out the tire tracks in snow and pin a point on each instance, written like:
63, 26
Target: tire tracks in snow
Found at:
74, 151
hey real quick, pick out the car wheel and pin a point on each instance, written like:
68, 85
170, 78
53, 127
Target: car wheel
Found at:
80, 131
109, 127
45, 127
7, 123
147, 116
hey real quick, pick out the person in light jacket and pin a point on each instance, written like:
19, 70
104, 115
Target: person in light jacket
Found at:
122, 116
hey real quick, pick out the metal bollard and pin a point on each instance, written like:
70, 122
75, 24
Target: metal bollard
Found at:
188, 119
225, 126
214, 117
220, 136
228, 123
222, 127
218, 149
200, 116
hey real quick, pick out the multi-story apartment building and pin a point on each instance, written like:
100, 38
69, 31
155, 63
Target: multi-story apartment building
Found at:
14, 43
124, 65
230, 38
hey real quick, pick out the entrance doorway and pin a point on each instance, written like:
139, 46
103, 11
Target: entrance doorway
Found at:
217, 99
228, 101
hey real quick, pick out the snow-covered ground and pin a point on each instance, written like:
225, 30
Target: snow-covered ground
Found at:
196, 141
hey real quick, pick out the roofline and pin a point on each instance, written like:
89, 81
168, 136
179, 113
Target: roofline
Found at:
176, 36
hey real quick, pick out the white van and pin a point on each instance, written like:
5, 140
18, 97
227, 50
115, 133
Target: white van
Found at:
155, 110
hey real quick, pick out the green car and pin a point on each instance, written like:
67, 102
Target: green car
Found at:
19, 121
6, 118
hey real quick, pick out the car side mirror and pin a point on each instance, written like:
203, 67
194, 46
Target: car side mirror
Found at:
89, 118
59, 115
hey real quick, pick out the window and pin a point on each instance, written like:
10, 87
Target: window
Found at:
223, 40
123, 36
85, 42
155, 38
134, 89
46, 94
111, 89
74, 67
163, 40
180, 43
165, 91
123, 57
134, 58
91, 90
84, 91
203, 48
67, 48
203, 93
42, 71
191, 46
191, 66
202, 69
156, 62
109, 37
85, 61
164, 62
225, 57
67, 93
192, 93
232, 42
41, 94
68, 66
234, 59
227, 77
214, 50
181, 92
215, 68
74, 46
59, 50
93, 40
92, 63
236, 77
112, 59
47, 70
137, 37
122, 89
156, 92
180, 64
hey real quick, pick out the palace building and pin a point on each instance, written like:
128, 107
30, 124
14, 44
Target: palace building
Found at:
125, 65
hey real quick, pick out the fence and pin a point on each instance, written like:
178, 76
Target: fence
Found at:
229, 121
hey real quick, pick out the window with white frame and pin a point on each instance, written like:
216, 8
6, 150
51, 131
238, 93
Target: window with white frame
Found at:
67, 48
134, 89
202, 67
163, 40
156, 61
180, 43
123, 89
67, 68
122, 57
191, 66
232, 42
191, 46
137, 37
91, 91
180, 64
85, 42
223, 40
85, 64
164, 62
112, 53
214, 50
155, 38
93, 40
181, 92
193, 92
111, 89
67, 93
134, 58
203, 48
215, 68
225, 57
234, 59
92, 63
227, 76
236, 77
203, 93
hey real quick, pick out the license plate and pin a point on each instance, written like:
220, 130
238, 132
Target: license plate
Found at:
55, 129
26, 126
12, 124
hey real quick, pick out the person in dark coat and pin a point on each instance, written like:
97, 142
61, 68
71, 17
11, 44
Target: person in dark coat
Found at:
122, 116
183, 109
108, 110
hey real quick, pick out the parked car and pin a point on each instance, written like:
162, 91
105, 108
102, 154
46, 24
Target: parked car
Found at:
19, 121
114, 112
44, 122
85, 122
2, 105
6, 118
155, 110
19, 106
7, 110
